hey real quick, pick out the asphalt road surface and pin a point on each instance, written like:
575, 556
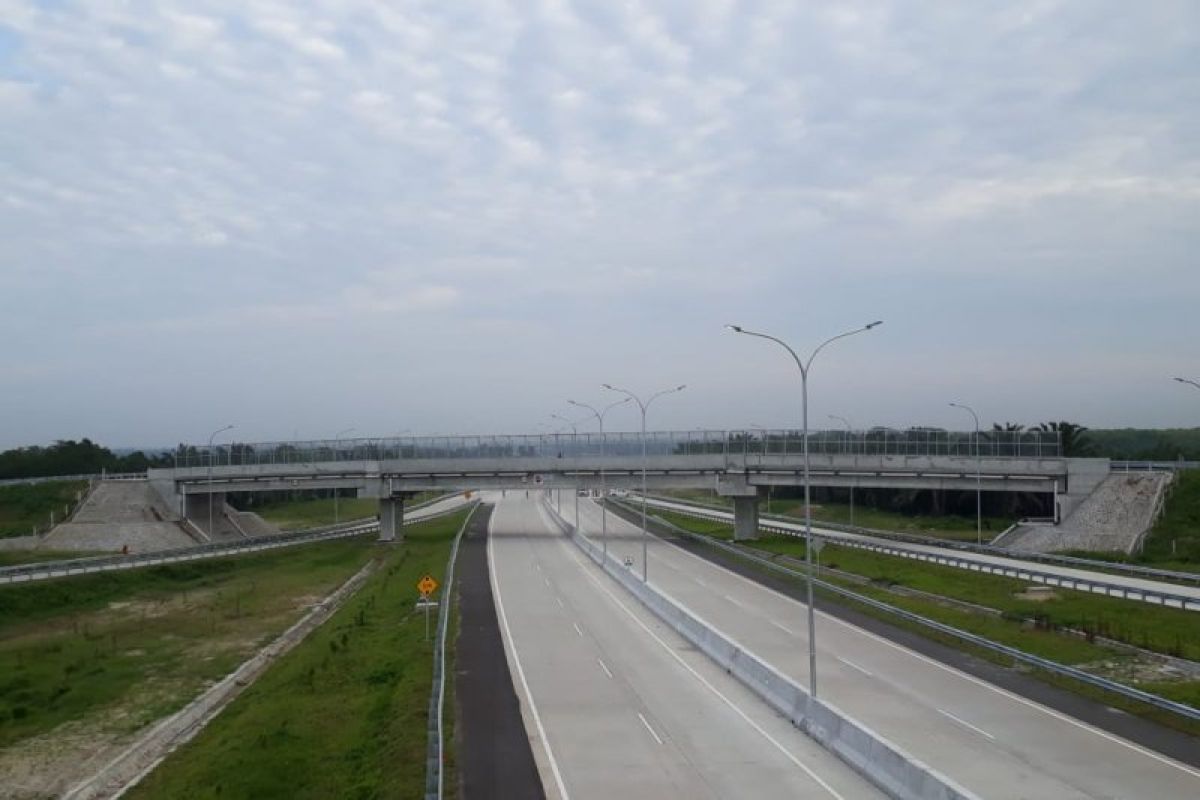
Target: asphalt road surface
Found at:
620, 707
989, 740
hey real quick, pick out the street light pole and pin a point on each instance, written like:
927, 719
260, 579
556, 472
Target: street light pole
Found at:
603, 486
644, 406
337, 440
574, 459
210, 475
849, 430
1189, 382
808, 542
765, 448
978, 479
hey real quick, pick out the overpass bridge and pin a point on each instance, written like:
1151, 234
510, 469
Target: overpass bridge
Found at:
735, 463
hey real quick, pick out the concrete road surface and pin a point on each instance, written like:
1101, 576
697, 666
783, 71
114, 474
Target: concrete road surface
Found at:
988, 740
618, 706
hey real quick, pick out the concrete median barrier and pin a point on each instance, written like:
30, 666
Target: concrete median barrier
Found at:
874, 757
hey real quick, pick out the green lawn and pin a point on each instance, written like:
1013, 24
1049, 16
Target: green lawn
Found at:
342, 715
143, 642
10, 558
1177, 630
24, 506
945, 527
313, 513
1165, 630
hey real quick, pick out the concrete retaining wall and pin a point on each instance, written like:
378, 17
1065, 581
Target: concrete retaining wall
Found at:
881, 762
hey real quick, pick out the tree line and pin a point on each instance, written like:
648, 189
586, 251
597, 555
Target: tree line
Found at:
70, 457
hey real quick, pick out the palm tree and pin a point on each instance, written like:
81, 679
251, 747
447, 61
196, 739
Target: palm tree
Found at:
1073, 438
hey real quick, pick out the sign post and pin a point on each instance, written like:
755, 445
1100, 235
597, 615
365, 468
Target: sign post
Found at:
426, 586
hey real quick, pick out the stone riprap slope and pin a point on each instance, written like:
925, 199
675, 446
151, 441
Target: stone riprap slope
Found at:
120, 514
1112, 518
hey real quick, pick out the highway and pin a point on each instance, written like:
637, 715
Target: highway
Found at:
990, 741
1115, 579
619, 706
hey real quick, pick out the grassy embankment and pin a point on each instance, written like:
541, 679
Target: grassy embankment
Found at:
945, 527
24, 506
1164, 630
123, 648
342, 715
294, 515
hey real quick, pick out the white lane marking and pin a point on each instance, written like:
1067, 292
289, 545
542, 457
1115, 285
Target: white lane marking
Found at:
784, 628
577, 628
560, 602
647, 724
537, 565
547, 581
852, 665
697, 580
734, 601
512, 646
736, 708
953, 671
966, 724
604, 667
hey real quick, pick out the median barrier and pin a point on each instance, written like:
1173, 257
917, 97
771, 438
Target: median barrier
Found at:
895, 772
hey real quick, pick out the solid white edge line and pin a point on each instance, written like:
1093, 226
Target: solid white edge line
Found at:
642, 717
512, 648
736, 708
560, 602
577, 628
964, 723
604, 667
952, 670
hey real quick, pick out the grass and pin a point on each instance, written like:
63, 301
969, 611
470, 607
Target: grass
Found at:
943, 527
1006, 629
1164, 630
315, 512
11, 558
145, 641
311, 512
342, 715
25, 506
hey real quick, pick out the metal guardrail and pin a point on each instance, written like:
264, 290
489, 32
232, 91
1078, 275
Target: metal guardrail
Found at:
875, 442
45, 570
1133, 570
1152, 596
90, 476
1153, 466
1121, 689
435, 747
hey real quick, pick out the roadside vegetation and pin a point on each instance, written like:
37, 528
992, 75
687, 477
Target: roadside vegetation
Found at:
88, 661
293, 513
945, 526
1068, 628
344, 713
24, 507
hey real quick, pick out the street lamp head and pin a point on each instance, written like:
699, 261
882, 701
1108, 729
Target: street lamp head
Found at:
875, 324
607, 386
681, 387
734, 328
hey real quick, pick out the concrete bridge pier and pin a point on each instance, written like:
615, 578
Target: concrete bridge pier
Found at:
745, 518
391, 518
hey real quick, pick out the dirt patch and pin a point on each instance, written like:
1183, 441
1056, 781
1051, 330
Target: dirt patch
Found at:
1037, 594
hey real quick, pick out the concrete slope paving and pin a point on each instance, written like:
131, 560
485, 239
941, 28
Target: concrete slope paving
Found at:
988, 740
1053, 569
116, 515
621, 707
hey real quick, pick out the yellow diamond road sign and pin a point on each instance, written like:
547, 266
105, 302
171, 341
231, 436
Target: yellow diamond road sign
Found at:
427, 585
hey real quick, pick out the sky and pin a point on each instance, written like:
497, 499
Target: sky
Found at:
452, 217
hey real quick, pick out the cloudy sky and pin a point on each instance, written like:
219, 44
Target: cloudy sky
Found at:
444, 216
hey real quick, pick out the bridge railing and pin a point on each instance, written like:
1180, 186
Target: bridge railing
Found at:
732, 443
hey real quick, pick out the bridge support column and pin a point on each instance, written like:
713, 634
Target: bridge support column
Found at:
391, 518
745, 518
